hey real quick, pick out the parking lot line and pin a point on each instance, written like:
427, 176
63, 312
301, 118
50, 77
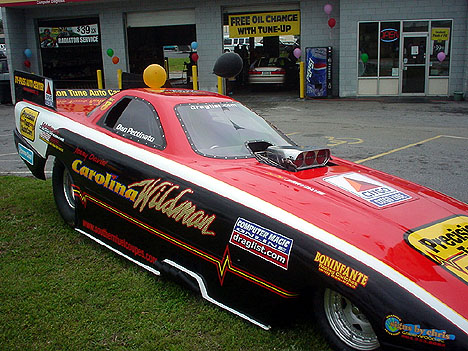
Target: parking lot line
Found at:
408, 146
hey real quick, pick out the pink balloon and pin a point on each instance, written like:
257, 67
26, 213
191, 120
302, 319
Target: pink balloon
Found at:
441, 56
328, 9
297, 53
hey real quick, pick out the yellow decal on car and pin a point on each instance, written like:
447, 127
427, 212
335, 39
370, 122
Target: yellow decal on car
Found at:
28, 118
446, 243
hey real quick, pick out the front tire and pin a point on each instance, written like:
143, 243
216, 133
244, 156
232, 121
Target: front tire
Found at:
62, 185
344, 325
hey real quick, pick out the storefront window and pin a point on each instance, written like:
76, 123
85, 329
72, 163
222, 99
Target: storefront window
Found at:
368, 49
71, 51
389, 49
415, 26
440, 48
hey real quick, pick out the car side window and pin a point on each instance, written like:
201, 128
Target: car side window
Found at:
136, 119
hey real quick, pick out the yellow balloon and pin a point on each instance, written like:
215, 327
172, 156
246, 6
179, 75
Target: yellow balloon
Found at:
154, 76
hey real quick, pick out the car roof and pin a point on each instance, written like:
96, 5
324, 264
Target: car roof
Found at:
175, 96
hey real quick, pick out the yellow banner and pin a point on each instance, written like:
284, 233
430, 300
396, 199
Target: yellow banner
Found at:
440, 34
265, 24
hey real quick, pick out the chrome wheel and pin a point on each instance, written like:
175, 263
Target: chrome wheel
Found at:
68, 189
348, 322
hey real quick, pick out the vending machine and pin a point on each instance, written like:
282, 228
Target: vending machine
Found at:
318, 79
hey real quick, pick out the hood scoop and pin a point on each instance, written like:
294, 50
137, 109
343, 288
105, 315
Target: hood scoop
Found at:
290, 158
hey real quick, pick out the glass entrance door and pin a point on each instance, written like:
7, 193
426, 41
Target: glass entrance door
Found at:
414, 64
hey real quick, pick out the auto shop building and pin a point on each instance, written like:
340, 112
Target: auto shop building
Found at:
380, 48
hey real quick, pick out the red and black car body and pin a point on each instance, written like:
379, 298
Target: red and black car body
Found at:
384, 261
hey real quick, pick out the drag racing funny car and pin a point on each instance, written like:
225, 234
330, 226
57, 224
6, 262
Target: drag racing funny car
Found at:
194, 185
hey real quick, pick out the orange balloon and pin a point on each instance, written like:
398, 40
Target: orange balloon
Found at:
154, 76
115, 60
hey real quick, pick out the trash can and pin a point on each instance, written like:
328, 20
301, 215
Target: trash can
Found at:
458, 95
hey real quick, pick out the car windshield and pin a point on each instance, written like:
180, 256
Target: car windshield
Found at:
222, 129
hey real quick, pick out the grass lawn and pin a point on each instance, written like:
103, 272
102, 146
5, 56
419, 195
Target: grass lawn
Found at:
177, 63
61, 291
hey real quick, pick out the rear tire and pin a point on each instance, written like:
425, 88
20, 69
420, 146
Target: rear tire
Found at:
342, 322
62, 185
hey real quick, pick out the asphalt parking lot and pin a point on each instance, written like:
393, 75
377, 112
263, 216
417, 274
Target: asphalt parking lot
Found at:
420, 139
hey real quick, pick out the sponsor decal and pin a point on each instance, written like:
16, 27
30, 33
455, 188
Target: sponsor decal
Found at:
152, 194
212, 106
368, 189
32, 84
26, 154
49, 135
90, 157
85, 93
262, 242
395, 327
294, 182
107, 181
136, 133
28, 118
49, 93
339, 271
119, 241
107, 104
444, 242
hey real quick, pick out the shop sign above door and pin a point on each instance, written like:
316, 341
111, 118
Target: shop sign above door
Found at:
8, 3
265, 24
54, 37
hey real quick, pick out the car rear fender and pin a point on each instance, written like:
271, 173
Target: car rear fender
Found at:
36, 135
33, 160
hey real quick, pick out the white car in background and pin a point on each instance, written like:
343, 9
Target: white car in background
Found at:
268, 71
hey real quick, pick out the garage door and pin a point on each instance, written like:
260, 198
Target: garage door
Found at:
160, 18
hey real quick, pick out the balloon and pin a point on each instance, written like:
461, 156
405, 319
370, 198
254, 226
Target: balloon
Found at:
331, 22
297, 53
28, 53
154, 76
328, 9
364, 58
115, 60
194, 45
228, 65
441, 56
194, 57
110, 52
27, 63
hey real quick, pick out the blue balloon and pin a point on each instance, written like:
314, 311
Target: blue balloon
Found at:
28, 53
194, 45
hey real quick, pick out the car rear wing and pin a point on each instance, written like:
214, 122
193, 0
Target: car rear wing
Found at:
35, 88
41, 90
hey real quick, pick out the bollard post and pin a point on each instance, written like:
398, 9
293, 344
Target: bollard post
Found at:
119, 78
220, 85
301, 79
99, 79
195, 77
